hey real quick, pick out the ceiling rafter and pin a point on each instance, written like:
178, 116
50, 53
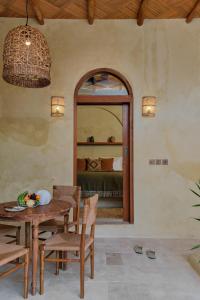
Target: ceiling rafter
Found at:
140, 14
91, 11
191, 14
37, 10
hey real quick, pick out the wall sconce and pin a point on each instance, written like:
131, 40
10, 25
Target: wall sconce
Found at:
57, 106
149, 106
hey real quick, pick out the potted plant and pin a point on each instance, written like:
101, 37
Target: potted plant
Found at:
196, 205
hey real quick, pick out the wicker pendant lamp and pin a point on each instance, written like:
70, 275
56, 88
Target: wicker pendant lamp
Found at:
26, 59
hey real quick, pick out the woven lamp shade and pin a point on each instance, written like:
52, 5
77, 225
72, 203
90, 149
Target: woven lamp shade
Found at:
26, 59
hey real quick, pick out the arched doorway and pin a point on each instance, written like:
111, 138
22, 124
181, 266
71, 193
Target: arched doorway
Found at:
106, 86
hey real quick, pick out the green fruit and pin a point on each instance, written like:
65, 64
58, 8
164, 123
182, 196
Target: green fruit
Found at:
21, 197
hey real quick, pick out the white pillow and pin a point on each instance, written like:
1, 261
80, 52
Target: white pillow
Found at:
117, 163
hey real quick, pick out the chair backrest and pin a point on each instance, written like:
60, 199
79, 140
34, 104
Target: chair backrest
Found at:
90, 210
60, 192
89, 218
63, 192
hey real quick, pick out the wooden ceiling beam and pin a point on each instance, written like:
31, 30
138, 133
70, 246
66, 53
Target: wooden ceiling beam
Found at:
38, 13
191, 14
91, 11
140, 14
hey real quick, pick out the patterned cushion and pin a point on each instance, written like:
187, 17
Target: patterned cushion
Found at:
94, 164
107, 164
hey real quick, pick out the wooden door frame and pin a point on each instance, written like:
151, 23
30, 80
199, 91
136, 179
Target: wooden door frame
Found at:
108, 100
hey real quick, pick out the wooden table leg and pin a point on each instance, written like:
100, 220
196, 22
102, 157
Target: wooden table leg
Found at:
35, 230
66, 222
27, 235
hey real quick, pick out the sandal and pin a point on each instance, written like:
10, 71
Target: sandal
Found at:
138, 249
151, 254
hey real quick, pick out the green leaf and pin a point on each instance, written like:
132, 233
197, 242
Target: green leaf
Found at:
198, 185
197, 219
196, 247
195, 192
195, 205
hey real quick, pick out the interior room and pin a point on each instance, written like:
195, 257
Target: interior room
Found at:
99, 149
100, 163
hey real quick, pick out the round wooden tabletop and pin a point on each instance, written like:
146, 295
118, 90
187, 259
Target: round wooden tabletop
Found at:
53, 209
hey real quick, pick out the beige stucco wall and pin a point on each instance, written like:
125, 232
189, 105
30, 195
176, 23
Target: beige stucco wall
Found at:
161, 58
100, 122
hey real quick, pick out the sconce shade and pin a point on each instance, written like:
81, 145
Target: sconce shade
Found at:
26, 58
57, 106
149, 106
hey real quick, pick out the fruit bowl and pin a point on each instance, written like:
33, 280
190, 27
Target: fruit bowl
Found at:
25, 205
28, 200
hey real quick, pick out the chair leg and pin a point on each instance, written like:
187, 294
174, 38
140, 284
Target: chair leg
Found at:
57, 263
18, 239
18, 235
64, 263
60, 256
77, 232
42, 258
82, 270
77, 229
26, 270
27, 235
92, 260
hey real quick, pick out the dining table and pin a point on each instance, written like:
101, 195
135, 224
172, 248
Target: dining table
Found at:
32, 218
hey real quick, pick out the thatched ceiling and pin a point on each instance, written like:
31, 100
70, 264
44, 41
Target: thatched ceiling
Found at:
102, 9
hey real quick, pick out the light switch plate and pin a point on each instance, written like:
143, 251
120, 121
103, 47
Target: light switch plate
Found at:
158, 162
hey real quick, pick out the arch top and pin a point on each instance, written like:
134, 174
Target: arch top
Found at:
103, 82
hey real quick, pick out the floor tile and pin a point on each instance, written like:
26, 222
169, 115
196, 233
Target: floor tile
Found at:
114, 259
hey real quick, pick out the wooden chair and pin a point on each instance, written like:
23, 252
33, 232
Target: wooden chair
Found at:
7, 231
61, 192
11, 254
63, 242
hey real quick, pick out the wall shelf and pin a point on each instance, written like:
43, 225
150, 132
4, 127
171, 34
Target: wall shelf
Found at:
99, 144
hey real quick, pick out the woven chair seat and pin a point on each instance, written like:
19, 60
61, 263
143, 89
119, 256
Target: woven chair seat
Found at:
54, 225
67, 242
9, 253
4, 229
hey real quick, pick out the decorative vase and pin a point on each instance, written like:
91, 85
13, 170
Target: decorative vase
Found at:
45, 197
111, 139
90, 139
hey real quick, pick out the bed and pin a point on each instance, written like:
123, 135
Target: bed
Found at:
106, 184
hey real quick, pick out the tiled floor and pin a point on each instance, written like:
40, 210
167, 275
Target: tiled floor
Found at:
121, 274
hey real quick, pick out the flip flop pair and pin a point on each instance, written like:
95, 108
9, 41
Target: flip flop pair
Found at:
149, 253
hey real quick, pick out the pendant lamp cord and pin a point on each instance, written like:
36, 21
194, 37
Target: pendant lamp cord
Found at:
26, 12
